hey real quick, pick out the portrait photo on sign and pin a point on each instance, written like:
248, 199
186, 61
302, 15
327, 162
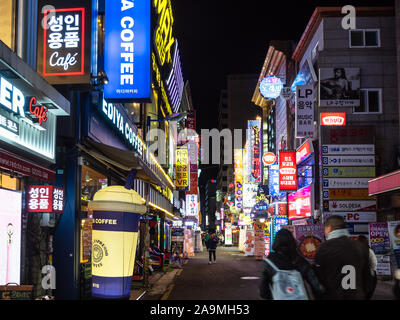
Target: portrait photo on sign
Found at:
339, 87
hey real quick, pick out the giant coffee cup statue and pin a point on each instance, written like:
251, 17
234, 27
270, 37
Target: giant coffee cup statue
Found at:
116, 214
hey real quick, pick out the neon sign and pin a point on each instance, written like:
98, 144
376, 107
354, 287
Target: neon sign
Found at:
255, 151
163, 38
39, 111
287, 171
127, 50
300, 203
270, 87
238, 158
333, 118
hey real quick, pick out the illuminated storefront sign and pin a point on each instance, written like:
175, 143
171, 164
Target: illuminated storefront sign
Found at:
349, 205
304, 151
269, 158
182, 168
270, 87
353, 216
120, 123
127, 50
191, 205
163, 38
254, 151
348, 193
333, 118
344, 183
277, 223
238, 167
10, 236
301, 203
160, 83
64, 38
45, 199
304, 124
287, 171
273, 177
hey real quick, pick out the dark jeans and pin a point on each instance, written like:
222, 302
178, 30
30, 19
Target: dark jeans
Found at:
211, 253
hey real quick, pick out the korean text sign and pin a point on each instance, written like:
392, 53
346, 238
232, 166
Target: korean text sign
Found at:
64, 37
182, 168
287, 171
45, 199
254, 153
127, 55
304, 111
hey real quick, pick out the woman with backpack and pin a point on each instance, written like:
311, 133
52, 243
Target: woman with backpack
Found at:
285, 273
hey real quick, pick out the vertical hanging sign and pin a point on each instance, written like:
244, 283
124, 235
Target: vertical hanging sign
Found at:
182, 168
287, 171
238, 158
127, 50
304, 111
254, 153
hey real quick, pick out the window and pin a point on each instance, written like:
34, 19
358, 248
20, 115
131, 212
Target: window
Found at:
370, 101
367, 38
7, 22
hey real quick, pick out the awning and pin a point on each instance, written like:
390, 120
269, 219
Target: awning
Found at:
122, 159
386, 183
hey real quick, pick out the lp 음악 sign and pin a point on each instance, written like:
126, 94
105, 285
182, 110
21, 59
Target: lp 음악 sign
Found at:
127, 50
304, 111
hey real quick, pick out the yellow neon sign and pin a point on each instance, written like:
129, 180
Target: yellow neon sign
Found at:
163, 36
182, 168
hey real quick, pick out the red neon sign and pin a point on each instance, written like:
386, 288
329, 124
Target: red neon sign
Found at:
68, 59
45, 199
333, 118
269, 158
304, 151
287, 171
39, 111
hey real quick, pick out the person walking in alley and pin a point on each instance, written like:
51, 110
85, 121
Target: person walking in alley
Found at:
286, 257
342, 264
373, 264
212, 244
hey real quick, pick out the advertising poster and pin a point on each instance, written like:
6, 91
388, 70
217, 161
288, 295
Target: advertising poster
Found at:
249, 244
10, 236
304, 124
301, 204
287, 171
379, 237
384, 268
394, 233
228, 234
339, 87
309, 238
188, 244
249, 195
191, 205
259, 243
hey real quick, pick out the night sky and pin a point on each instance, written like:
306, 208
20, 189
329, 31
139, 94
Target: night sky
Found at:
221, 37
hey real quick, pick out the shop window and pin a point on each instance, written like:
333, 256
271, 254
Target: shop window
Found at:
7, 22
370, 101
92, 181
367, 38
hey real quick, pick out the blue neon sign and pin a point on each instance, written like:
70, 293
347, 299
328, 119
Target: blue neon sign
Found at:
127, 50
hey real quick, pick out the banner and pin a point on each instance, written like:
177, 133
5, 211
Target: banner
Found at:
309, 238
379, 237
191, 205
287, 171
304, 123
339, 87
228, 234
259, 243
249, 244
394, 232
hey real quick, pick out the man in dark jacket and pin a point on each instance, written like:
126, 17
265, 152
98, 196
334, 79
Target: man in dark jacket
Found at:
342, 264
212, 244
